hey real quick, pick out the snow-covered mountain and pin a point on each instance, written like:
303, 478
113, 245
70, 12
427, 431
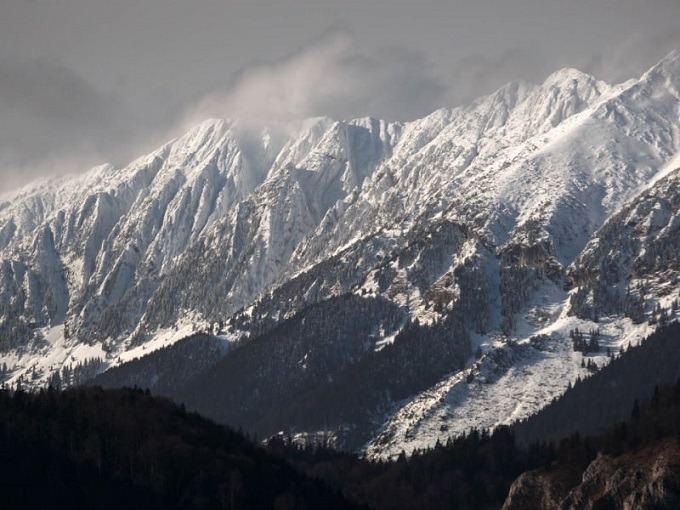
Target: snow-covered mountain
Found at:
432, 269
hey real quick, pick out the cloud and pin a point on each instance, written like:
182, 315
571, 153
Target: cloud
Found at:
476, 74
633, 56
331, 77
49, 112
54, 121
629, 57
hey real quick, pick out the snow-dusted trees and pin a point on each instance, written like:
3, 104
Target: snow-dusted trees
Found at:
632, 259
167, 369
524, 263
74, 375
585, 342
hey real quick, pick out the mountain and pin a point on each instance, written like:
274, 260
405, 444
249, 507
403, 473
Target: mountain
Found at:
124, 448
387, 283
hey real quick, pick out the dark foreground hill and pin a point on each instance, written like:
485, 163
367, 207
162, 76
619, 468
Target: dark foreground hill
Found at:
90, 448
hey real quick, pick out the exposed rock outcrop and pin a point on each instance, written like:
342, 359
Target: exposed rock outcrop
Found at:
646, 480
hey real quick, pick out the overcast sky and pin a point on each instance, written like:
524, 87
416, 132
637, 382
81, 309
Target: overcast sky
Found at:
84, 82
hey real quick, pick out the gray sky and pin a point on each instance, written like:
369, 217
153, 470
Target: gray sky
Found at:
83, 82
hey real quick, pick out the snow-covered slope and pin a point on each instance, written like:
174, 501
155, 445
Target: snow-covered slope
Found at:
476, 217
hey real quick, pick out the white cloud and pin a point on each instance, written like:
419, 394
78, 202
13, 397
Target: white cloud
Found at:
331, 77
628, 59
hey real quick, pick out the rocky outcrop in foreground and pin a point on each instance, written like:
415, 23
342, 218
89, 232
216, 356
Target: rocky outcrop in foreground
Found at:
648, 479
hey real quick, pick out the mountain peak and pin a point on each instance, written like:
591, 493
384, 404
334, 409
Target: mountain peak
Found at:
568, 75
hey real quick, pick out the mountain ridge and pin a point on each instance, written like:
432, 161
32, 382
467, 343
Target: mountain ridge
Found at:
475, 217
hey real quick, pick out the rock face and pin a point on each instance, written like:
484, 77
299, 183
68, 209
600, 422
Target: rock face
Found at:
532, 491
649, 479
470, 242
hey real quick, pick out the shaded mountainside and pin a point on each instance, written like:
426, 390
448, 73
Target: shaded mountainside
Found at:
317, 371
125, 449
628, 459
167, 368
477, 469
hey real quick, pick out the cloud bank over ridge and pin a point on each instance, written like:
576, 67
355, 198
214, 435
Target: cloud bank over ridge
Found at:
83, 83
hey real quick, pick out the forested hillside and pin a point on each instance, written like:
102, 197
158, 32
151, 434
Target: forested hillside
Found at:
317, 371
90, 448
